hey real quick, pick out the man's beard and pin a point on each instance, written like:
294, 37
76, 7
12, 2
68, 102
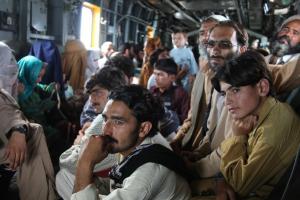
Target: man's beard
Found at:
295, 49
202, 51
280, 49
132, 141
216, 67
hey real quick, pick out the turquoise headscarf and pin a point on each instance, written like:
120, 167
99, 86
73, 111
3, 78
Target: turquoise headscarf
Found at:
29, 70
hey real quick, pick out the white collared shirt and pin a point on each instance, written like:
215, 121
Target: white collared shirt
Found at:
150, 181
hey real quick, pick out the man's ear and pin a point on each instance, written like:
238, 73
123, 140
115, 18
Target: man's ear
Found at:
263, 87
145, 129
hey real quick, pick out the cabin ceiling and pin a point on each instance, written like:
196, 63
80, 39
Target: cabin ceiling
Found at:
257, 15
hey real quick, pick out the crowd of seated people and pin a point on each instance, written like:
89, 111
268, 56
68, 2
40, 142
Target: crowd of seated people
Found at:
226, 129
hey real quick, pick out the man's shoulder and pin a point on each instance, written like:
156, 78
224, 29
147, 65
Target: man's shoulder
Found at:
159, 179
179, 90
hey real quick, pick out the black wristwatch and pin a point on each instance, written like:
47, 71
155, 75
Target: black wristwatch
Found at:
21, 129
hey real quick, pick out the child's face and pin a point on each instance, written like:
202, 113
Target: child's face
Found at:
163, 79
178, 40
241, 101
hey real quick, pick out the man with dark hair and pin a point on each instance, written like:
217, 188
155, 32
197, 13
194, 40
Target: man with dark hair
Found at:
158, 54
149, 169
139, 55
119, 71
206, 25
285, 49
266, 132
98, 87
124, 64
173, 96
189, 130
127, 50
286, 42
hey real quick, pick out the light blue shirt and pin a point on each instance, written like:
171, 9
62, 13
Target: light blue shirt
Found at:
184, 56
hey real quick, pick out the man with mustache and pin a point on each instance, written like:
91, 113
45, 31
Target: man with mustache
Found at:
99, 87
100, 84
225, 41
285, 48
149, 169
206, 25
188, 136
287, 41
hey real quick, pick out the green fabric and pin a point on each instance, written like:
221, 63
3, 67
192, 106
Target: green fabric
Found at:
35, 108
29, 69
47, 88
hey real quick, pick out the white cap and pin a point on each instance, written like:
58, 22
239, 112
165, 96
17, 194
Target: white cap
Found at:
218, 18
290, 19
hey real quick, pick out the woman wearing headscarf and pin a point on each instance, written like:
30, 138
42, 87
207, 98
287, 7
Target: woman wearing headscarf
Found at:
23, 147
35, 98
47, 51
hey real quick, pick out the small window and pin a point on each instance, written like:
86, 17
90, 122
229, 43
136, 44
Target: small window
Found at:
90, 25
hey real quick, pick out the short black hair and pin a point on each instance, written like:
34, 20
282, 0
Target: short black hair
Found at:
137, 48
144, 106
123, 63
247, 69
167, 65
125, 46
108, 78
154, 56
241, 33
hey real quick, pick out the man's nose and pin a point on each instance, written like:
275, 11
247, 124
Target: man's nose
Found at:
228, 100
289, 34
93, 97
107, 128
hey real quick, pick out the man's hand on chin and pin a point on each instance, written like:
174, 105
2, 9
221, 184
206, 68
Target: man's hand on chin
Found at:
245, 125
96, 150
